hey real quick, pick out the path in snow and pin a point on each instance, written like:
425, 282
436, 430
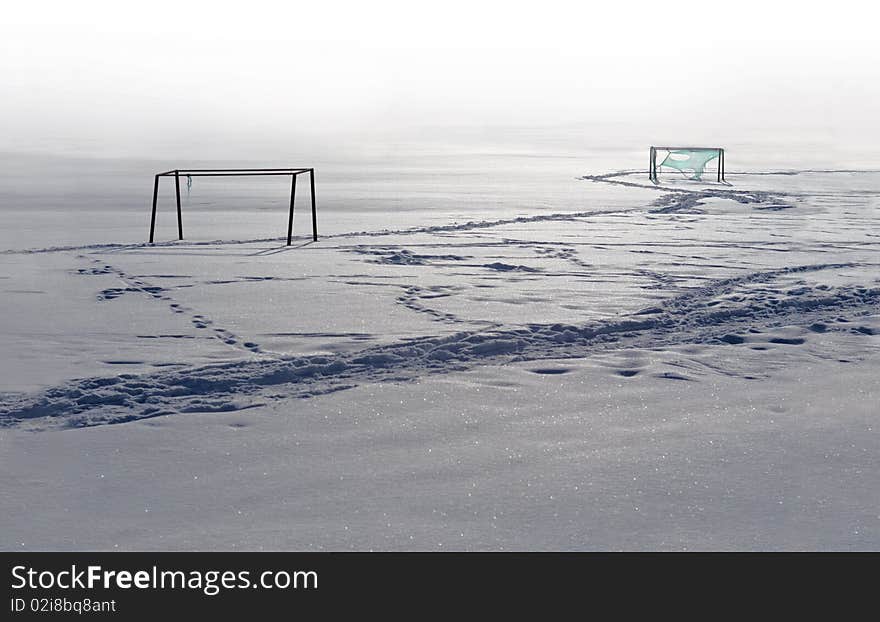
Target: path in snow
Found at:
742, 310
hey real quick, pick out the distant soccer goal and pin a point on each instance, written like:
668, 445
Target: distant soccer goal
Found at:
690, 162
235, 172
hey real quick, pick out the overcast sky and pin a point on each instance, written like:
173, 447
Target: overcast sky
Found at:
114, 76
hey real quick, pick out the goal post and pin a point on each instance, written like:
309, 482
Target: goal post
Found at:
689, 161
235, 172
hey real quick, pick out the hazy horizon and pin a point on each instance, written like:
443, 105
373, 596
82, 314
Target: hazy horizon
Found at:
180, 81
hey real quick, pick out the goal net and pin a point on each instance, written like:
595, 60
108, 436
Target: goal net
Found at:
690, 162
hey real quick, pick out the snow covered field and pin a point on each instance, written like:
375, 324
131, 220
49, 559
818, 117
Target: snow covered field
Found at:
546, 361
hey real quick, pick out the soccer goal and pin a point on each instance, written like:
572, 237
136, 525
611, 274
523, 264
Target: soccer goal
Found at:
235, 172
691, 162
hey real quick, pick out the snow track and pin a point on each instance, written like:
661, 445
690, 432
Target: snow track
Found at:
718, 312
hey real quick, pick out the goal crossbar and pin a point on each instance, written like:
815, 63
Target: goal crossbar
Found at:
235, 172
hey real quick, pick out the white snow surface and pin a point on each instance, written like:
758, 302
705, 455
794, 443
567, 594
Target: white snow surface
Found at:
626, 366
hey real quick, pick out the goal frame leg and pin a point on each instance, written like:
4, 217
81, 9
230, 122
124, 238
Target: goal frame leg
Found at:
153, 213
314, 212
290, 217
179, 211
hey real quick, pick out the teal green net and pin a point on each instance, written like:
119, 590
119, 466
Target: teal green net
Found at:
690, 160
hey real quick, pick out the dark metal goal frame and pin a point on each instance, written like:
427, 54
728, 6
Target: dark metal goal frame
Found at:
235, 172
654, 168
